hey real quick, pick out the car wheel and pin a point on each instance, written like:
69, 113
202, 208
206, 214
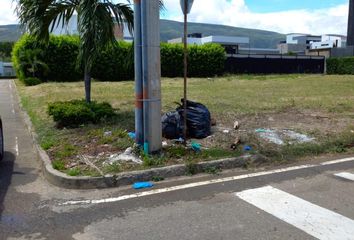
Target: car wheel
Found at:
1, 142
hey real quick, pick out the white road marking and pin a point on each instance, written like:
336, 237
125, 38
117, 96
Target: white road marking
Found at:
12, 98
198, 184
337, 161
318, 222
13, 108
345, 175
16, 147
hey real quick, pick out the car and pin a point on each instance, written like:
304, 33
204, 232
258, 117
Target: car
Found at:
1, 141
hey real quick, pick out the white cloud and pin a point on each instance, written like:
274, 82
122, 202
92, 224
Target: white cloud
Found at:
7, 15
236, 13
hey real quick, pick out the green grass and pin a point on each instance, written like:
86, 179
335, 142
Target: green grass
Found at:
74, 172
236, 94
226, 97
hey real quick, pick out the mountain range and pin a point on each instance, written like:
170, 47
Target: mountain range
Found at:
172, 29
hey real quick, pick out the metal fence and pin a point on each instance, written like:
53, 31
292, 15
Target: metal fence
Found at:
263, 64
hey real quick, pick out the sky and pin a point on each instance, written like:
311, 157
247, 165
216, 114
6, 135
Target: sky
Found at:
284, 16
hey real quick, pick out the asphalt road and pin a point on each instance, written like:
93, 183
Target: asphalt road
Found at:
306, 202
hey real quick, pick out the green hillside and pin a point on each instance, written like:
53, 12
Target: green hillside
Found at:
10, 33
258, 38
173, 29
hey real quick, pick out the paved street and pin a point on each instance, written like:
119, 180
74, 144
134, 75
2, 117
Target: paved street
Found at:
311, 201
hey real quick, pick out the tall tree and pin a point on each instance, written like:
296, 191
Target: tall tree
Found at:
96, 19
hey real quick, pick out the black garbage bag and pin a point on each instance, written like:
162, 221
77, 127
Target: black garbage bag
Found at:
198, 119
172, 126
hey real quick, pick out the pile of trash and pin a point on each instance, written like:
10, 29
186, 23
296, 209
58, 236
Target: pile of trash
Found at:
198, 121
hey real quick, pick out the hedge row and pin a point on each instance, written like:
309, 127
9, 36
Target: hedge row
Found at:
115, 63
59, 56
344, 65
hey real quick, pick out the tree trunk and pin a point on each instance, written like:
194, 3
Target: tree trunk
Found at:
87, 79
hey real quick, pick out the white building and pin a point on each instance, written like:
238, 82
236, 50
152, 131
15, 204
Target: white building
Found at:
230, 43
301, 38
300, 43
330, 41
6, 69
223, 40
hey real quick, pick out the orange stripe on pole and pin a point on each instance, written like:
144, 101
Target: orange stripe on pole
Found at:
138, 101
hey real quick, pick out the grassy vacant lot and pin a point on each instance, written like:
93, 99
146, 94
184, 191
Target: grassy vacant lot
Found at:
318, 105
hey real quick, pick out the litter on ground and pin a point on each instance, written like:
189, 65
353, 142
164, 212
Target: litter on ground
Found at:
247, 148
127, 156
140, 185
196, 146
132, 135
280, 137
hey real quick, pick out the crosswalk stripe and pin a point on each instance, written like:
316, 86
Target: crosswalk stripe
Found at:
316, 221
345, 175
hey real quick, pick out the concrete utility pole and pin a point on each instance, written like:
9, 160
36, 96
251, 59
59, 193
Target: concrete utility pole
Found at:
186, 6
185, 73
147, 75
350, 33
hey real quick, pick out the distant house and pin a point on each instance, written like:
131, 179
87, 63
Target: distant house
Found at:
7, 69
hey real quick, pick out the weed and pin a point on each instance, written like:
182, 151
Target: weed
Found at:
58, 164
74, 172
215, 153
157, 178
123, 143
191, 167
66, 151
153, 160
212, 170
113, 168
177, 151
47, 143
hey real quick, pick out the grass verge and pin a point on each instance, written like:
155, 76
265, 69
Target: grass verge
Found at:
253, 99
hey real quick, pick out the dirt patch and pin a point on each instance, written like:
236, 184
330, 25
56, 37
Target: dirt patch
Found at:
312, 123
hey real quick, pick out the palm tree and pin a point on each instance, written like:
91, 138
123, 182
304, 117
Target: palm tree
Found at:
31, 63
96, 19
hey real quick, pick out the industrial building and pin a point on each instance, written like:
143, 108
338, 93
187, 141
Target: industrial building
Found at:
230, 43
297, 43
330, 41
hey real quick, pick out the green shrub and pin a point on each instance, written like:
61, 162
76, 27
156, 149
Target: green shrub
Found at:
206, 60
115, 63
59, 56
203, 60
343, 65
5, 50
32, 81
171, 60
77, 112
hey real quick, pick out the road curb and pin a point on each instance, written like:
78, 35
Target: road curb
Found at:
60, 179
